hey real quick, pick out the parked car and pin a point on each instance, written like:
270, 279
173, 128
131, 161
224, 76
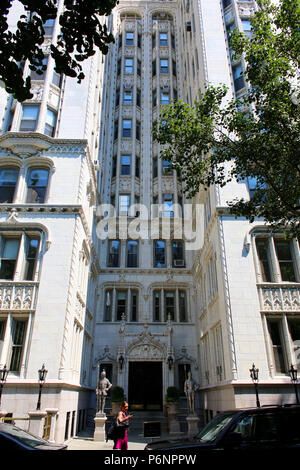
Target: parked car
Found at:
14, 438
268, 427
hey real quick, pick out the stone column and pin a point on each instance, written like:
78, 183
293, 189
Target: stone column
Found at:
36, 422
100, 420
192, 421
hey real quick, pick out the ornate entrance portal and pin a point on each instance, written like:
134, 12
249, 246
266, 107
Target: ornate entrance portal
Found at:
145, 386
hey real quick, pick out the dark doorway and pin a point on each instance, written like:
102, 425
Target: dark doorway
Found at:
145, 386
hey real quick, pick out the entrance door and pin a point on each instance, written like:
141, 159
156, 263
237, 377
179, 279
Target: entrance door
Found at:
145, 385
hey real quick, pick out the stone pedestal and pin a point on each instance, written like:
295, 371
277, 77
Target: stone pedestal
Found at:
100, 420
192, 421
53, 412
36, 422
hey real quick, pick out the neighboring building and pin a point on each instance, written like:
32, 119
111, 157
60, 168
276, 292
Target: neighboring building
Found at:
146, 308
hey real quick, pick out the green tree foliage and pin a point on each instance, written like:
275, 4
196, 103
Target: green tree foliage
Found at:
257, 137
81, 33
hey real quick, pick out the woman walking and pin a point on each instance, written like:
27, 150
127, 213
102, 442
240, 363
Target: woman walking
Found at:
121, 441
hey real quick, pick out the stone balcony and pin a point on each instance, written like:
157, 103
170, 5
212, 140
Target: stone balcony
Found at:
279, 297
18, 296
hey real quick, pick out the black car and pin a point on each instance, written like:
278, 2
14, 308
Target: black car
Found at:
265, 428
14, 438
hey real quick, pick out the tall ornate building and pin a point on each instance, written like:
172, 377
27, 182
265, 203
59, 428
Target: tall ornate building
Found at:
142, 300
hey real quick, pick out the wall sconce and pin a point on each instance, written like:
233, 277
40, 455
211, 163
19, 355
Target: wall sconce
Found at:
121, 361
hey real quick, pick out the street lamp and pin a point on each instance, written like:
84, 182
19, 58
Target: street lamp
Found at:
254, 376
293, 375
3, 377
42, 378
121, 361
170, 362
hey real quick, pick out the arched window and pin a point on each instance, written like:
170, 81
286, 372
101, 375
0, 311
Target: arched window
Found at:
8, 182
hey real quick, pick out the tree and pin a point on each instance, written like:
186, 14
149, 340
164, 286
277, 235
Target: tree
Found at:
255, 137
81, 33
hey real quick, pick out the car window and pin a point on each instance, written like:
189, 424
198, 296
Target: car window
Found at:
8, 444
214, 427
259, 427
24, 437
291, 426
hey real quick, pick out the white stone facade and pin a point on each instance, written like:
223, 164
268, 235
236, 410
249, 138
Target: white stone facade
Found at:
145, 312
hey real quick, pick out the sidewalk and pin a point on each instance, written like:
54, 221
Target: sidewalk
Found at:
84, 441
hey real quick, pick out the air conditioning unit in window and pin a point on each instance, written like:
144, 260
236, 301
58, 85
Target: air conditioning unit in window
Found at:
179, 263
188, 26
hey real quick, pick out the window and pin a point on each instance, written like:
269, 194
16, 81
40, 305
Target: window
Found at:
138, 130
238, 78
246, 24
127, 97
37, 185
57, 79
284, 337
13, 250
139, 42
121, 305
177, 254
275, 332
50, 123
294, 329
164, 97
29, 118
168, 205
138, 68
163, 39
154, 98
48, 27
153, 41
134, 306
159, 254
113, 253
132, 253
169, 299
182, 306
125, 164
129, 38
108, 305
17, 344
166, 167
164, 66
9, 254
226, 3
138, 97
8, 182
153, 68
124, 204
156, 305
276, 259
137, 167
117, 97
127, 127
286, 265
174, 68
128, 66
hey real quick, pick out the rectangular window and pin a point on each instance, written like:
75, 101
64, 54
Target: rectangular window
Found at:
108, 305
37, 185
41, 72
283, 251
277, 344
153, 68
128, 66
154, 167
263, 258
127, 127
139, 68
2, 333
125, 164
247, 27
170, 305
168, 205
163, 39
159, 254
164, 66
49, 27
166, 167
9, 255
182, 306
138, 130
177, 254
113, 253
124, 204
50, 123
31, 256
137, 167
18, 339
29, 118
127, 97
132, 254
57, 79
134, 306
238, 78
164, 97
129, 38
156, 306
121, 305
154, 98
138, 97
8, 182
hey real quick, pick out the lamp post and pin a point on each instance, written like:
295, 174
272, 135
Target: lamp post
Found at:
293, 375
42, 378
3, 377
121, 361
170, 362
254, 376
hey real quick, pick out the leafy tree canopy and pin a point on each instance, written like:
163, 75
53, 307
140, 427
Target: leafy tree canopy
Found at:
255, 137
81, 33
